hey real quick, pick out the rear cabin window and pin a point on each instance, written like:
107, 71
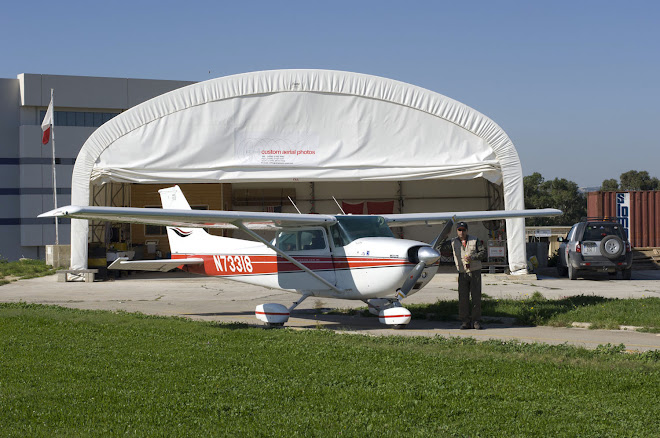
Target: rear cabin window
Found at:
598, 231
304, 240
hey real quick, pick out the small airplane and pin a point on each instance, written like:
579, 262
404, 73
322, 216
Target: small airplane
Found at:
354, 257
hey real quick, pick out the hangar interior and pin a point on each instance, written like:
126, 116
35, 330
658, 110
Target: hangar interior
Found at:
325, 197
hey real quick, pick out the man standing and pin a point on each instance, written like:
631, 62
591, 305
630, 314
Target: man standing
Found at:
468, 254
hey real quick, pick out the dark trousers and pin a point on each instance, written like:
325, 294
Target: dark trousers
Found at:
469, 284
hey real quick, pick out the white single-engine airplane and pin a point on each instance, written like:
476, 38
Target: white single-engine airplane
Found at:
342, 256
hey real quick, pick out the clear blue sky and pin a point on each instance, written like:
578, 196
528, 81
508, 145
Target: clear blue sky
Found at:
575, 84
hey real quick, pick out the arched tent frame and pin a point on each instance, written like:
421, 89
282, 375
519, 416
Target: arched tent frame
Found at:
299, 125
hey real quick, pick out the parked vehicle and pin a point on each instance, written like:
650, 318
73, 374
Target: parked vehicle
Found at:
598, 245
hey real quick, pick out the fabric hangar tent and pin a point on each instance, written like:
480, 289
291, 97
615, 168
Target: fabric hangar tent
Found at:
299, 125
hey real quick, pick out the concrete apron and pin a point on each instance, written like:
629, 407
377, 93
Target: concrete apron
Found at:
213, 299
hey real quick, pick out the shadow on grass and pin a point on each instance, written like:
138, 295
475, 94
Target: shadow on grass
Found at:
535, 310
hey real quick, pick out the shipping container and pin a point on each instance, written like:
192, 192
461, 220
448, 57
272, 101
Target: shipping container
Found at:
638, 212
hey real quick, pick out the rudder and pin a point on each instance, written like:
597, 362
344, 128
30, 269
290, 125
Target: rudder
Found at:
182, 240
172, 197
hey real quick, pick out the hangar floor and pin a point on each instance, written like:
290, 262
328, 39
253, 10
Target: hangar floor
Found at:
204, 298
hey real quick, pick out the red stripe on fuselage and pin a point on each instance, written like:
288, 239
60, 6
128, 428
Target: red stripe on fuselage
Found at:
244, 264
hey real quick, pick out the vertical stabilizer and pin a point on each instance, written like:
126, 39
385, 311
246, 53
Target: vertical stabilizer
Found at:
182, 240
172, 197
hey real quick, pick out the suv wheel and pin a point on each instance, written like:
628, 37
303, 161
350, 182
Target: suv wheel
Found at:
562, 271
572, 272
612, 247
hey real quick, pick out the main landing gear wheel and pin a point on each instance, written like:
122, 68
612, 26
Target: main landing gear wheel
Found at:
275, 315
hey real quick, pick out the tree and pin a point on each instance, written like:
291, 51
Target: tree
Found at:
634, 180
558, 193
610, 184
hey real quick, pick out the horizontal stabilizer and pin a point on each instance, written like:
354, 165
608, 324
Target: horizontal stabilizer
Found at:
163, 265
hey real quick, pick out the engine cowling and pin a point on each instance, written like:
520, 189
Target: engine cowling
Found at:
422, 256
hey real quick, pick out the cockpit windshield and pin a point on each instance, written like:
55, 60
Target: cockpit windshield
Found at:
350, 228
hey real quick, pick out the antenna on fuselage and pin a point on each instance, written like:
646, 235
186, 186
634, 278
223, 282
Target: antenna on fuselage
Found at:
341, 209
294, 204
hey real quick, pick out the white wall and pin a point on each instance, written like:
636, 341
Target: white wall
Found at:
25, 169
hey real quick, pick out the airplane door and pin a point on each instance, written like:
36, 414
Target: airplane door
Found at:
310, 247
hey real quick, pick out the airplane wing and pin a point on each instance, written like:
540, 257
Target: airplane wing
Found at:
261, 220
163, 265
190, 218
408, 219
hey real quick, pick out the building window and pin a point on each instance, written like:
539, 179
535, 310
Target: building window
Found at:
79, 118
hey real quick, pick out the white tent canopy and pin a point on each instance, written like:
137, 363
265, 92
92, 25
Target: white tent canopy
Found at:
299, 125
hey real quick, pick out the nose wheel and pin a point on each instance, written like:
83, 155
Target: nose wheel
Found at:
390, 312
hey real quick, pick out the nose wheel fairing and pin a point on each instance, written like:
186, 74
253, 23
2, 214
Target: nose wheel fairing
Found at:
389, 312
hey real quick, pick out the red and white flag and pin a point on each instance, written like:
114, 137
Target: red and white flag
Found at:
47, 124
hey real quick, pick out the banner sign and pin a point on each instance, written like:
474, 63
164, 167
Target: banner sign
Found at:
496, 251
623, 211
277, 149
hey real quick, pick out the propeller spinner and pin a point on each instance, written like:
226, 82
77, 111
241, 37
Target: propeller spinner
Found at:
425, 256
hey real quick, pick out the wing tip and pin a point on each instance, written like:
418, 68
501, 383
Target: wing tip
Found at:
61, 211
53, 213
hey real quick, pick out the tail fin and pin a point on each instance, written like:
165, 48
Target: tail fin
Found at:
182, 240
172, 197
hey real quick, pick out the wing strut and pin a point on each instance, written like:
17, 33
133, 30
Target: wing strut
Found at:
288, 257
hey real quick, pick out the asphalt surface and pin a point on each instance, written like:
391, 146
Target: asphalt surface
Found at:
213, 299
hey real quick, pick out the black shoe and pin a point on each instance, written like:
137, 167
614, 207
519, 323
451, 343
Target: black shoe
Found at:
477, 325
466, 325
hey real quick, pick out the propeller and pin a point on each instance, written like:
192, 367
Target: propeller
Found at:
425, 256
437, 242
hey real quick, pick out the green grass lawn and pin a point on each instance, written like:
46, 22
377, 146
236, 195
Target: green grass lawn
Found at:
22, 269
89, 373
601, 312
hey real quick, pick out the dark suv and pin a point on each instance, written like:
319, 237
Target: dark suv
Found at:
598, 245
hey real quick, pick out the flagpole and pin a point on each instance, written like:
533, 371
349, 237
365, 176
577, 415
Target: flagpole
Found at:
52, 133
